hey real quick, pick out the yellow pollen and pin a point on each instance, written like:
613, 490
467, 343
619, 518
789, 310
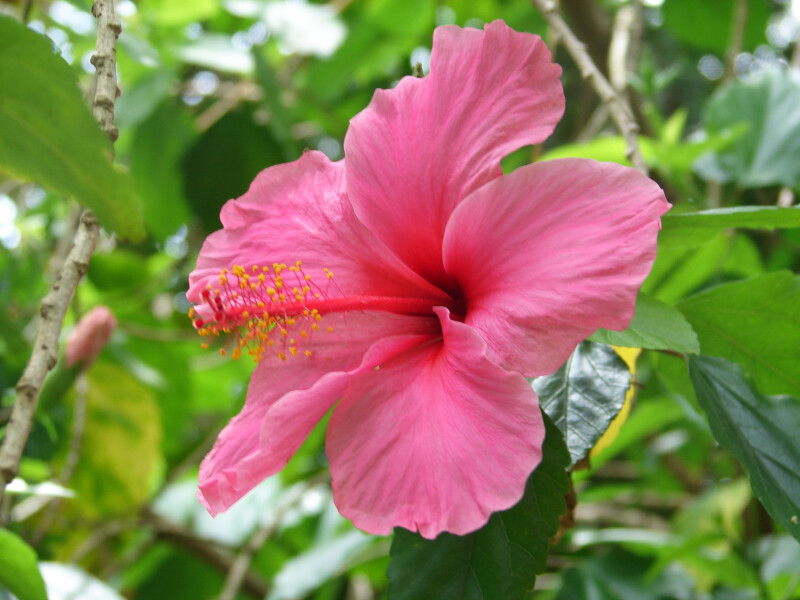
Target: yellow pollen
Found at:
252, 311
330, 328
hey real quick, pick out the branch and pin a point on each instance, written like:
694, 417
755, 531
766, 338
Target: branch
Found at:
241, 565
617, 107
738, 22
55, 303
207, 550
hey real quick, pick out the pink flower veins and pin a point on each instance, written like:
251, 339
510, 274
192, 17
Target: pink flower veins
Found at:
453, 283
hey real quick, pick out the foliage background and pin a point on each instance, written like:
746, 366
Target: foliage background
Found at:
214, 91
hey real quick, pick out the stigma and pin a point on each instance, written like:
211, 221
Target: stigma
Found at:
263, 309
278, 309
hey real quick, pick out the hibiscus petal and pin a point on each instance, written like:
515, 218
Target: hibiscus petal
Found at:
417, 150
286, 399
300, 211
435, 440
549, 253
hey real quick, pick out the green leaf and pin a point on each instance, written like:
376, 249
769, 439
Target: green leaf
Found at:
584, 395
760, 431
767, 153
120, 454
49, 135
174, 13
756, 323
679, 271
280, 121
19, 573
706, 24
694, 229
500, 560
656, 326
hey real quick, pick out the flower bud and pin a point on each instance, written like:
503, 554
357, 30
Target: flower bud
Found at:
90, 336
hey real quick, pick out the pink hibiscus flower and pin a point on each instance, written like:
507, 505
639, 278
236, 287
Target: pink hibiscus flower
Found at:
453, 283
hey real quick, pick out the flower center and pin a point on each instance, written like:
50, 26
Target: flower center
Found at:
280, 309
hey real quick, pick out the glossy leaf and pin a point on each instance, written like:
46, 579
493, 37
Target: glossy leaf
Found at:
760, 431
756, 323
19, 573
767, 153
500, 560
584, 395
656, 326
49, 135
693, 229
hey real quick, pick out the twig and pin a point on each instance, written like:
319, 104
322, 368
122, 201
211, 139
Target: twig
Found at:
105, 61
786, 195
208, 550
619, 109
619, 49
44, 356
55, 303
25, 13
738, 22
73, 457
241, 564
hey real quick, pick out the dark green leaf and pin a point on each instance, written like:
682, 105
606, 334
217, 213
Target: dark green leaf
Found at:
19, 573
156, 152
756, 323
224, 161
693, 229
760, 431
656, 326
500, 560
622, 576
767, 153
584, 395
49, 135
